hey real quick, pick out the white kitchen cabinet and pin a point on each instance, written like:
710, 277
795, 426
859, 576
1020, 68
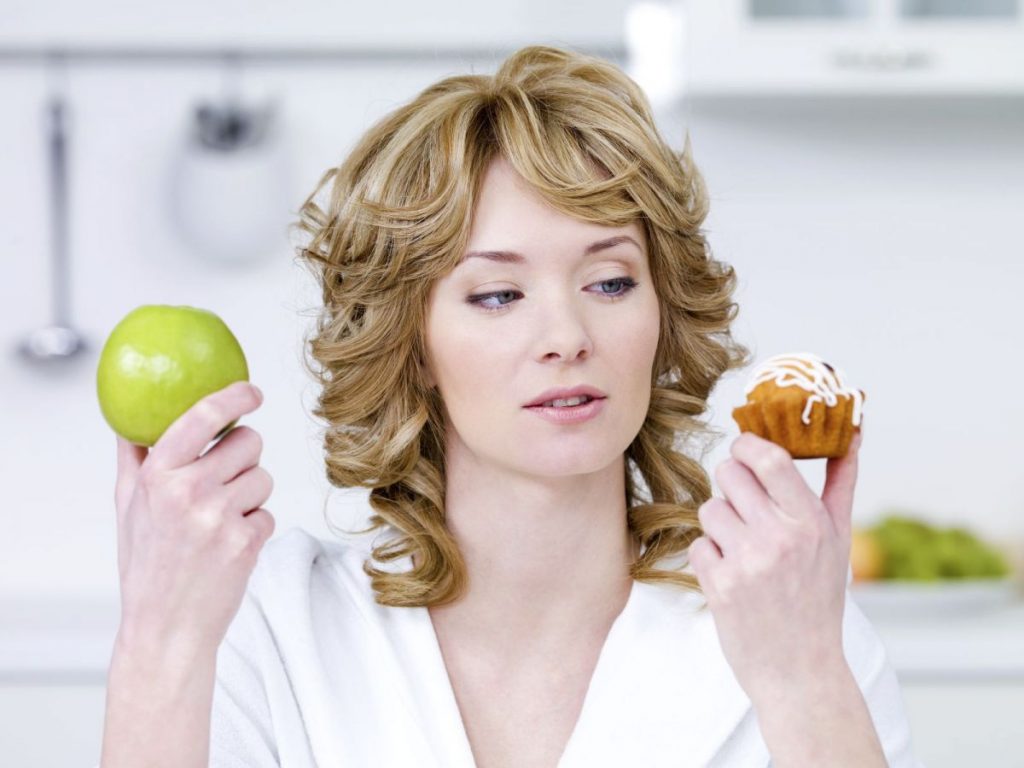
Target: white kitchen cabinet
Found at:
389, 28
955, 724
870, 47
961, 675
952, 724
47, 726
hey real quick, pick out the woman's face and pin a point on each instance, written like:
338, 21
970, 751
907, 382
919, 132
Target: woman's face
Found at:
501, 332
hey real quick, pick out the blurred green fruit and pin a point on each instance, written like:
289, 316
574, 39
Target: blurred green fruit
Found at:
994, 564
916, 550
903, 528
916, 564
158, 362
954, 553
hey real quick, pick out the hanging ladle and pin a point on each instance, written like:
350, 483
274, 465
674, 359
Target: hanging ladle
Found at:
58, 341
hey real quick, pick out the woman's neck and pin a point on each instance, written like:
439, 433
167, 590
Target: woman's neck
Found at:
547, 558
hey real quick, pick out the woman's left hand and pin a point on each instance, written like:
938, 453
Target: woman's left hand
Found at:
773, 564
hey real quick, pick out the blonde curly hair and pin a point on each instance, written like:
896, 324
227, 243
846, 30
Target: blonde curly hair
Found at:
398, 218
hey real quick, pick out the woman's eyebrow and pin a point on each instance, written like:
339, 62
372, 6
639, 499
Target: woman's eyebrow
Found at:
511, 257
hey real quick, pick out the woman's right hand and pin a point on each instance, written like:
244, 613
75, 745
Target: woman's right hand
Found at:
190, 525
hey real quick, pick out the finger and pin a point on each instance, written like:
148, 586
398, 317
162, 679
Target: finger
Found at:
840, 483
263, 522
722, 524
704, 556
191, 432
744, 491
129, 460
236, 452
778, 475
249, 491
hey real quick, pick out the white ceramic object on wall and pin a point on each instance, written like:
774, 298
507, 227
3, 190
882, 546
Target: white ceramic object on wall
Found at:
228, 183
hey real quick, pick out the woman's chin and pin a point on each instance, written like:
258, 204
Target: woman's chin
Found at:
563, 463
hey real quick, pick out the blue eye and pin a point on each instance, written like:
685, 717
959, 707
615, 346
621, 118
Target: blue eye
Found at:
628, 284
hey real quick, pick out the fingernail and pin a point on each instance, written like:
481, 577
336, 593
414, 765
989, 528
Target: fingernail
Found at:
258, 391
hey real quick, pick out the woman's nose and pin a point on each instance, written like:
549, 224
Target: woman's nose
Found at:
565, 334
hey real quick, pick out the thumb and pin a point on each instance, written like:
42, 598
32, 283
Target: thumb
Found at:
840, 482
129, 461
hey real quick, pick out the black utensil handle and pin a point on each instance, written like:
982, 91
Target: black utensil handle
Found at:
57, 130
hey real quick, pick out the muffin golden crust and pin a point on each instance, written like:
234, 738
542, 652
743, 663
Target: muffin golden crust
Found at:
802, 403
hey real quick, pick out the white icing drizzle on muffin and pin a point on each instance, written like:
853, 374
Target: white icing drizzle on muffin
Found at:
808, 371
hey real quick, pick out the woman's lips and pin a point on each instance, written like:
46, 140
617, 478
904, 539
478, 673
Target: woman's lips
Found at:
573, 414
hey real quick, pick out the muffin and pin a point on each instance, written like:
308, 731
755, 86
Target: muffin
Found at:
802, 403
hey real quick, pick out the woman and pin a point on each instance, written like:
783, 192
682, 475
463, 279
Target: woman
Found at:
495, 245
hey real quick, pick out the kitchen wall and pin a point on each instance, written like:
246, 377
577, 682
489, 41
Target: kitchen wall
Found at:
881, 234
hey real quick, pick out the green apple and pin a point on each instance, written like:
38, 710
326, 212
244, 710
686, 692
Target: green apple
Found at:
158, 362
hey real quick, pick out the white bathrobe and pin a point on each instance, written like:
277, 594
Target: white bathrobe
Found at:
313, 672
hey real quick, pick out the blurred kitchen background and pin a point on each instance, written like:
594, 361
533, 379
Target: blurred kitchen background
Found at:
865, 162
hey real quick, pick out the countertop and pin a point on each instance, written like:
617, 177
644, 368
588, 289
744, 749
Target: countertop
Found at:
69, 640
